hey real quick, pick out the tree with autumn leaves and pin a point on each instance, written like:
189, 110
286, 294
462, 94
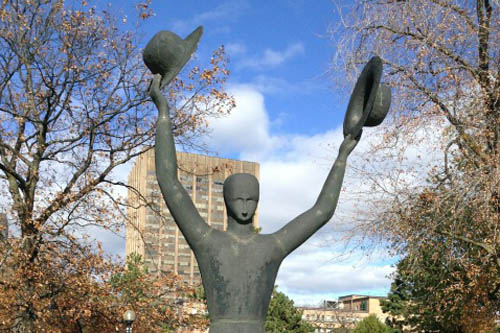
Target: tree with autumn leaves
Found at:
73, 108
442, 60
282, 316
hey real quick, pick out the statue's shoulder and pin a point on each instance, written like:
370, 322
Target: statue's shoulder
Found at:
268, 242
215, 236
213, 242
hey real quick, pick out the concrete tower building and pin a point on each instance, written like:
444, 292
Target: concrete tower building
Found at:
158, 240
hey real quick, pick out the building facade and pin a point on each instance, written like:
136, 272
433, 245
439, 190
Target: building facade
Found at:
152, 232
345, 313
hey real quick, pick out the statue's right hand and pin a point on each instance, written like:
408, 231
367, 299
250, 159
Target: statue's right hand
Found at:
349, 144
154, 86
155, 92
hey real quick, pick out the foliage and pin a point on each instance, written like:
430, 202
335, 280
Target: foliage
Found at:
67, 299
341, 330
153, 297
415, 299
282, 316
437, 290
60, 292
397, 303
371, 324
442, 60
73, 108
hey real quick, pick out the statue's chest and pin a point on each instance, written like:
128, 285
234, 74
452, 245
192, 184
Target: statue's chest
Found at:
229, 257
246, 253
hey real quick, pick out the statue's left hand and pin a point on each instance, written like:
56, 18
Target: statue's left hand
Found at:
349, 143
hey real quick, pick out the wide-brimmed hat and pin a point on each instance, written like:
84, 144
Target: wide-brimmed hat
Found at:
370, 100
166, 53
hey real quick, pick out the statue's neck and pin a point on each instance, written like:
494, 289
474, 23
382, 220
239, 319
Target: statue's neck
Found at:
239, 229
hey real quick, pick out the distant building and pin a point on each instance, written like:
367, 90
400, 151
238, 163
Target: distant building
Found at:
160, 242
344, 313
361, 303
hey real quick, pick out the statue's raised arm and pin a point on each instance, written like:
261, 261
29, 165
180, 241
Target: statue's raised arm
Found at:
368, 106
165, 55
306, 224
177, 199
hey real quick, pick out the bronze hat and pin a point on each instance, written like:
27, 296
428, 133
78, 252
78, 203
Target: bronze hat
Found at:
166, 53
370, 100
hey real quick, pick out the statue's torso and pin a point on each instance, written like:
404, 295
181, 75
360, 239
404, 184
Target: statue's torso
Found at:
238, 277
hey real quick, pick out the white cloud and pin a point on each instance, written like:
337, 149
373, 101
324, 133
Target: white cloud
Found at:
273, 85
309, 275
291, 179
234, 49
293, 169
228, 11
271, 58
112, 242
246, 129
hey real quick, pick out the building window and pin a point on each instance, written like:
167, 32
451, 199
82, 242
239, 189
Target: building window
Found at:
363, 306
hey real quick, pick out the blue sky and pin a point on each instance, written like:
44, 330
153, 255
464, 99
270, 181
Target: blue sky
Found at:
288, 118
278, 46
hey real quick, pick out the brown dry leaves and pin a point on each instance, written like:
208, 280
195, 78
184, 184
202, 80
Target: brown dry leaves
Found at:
77, 289
442, 60
73, 108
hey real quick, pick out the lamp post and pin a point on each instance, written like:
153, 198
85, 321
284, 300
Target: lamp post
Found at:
128, 318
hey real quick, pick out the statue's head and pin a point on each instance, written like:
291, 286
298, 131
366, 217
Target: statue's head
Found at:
241, 195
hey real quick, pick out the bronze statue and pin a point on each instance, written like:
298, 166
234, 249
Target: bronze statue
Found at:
239, 267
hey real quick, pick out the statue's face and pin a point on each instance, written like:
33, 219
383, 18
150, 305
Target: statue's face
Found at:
241, 194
